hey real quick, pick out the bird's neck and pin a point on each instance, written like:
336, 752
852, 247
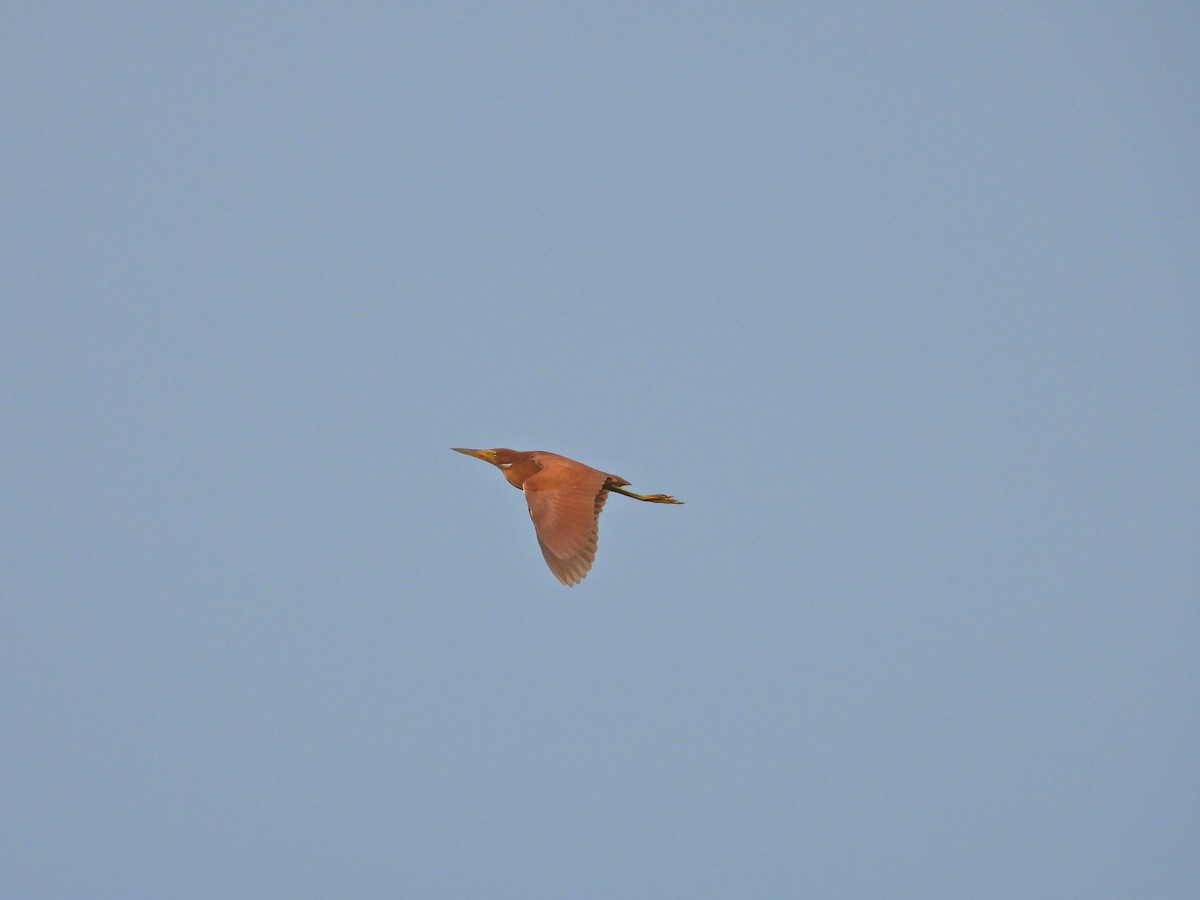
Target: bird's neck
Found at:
520, 470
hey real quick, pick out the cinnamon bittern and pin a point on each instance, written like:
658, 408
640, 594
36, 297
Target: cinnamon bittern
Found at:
564, 498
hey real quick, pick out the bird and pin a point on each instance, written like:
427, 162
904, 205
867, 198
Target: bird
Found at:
564, 499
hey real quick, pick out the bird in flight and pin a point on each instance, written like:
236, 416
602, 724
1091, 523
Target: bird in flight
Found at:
564, 499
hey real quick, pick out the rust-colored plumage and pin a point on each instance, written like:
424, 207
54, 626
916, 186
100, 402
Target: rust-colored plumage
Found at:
564, 498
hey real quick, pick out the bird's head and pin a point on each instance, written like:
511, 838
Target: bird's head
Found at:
499, 457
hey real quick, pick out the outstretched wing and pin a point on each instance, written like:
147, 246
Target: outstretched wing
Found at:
565, 499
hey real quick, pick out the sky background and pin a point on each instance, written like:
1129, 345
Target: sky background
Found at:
902, 300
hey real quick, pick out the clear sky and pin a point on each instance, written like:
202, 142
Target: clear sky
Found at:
902, 300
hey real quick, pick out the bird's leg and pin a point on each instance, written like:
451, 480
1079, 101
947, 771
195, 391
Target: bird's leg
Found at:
649, 498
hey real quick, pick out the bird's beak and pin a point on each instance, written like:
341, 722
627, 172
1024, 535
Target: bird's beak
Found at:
478, 454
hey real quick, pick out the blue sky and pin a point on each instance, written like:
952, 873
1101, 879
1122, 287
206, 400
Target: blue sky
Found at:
902, 301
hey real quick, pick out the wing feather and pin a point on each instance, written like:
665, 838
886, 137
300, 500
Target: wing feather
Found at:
565, 499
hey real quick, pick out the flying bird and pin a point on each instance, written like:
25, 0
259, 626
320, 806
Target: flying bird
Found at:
564, 499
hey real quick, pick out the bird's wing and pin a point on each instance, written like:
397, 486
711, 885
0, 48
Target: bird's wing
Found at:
565, 502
